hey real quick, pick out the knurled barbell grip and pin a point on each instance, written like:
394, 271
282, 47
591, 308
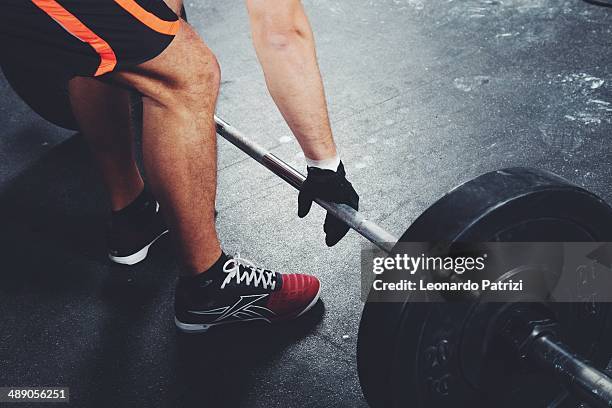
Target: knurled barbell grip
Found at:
368, 229
588, 383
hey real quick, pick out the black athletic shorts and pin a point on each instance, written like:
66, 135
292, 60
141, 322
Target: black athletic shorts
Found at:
83, 37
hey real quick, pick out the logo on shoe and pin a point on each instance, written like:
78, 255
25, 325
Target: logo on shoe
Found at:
244, 309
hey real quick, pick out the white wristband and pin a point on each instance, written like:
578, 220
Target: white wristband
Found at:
326, 164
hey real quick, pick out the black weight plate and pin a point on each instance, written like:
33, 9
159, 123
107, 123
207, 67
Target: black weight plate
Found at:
396, 367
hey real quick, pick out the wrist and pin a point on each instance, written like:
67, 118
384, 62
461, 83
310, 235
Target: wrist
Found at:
331, 163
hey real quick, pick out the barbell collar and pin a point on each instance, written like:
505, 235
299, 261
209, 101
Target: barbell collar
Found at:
354, 219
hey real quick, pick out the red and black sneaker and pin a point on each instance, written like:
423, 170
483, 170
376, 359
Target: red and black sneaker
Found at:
242, 292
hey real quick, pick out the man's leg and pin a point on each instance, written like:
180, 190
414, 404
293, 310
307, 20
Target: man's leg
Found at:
103, 115
179, 89
102, 112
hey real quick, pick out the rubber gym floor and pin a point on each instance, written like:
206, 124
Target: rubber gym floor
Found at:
423, 95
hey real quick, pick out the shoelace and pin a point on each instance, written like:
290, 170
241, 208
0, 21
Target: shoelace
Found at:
250, 274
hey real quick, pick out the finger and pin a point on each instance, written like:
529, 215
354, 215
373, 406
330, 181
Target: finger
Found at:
304, 204
335, 230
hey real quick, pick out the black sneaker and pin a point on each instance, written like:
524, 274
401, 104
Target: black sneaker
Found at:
241, 292
133, 230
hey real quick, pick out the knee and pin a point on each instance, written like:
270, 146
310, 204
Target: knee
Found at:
196, 90
191, 78
276, 24
205, 75
185, 77
200, 75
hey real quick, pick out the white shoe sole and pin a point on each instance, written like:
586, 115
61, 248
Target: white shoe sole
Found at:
312, 303
202, 328
136, 257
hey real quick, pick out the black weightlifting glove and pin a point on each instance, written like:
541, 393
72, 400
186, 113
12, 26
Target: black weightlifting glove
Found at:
330, 186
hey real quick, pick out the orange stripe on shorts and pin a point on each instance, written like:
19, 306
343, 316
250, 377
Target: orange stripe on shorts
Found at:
108, 59
149, 19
